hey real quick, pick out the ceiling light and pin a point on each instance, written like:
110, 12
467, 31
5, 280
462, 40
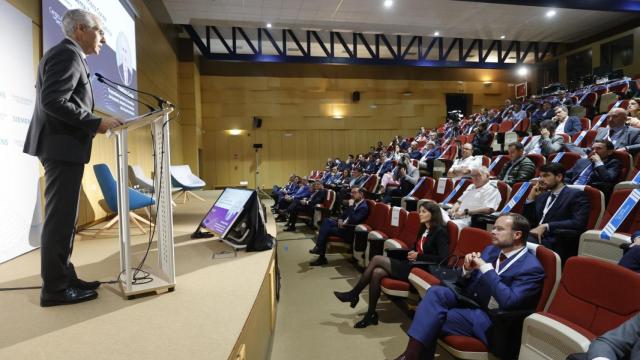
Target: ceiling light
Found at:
338, 117
502, 37
551, 13
437, 33
407, 93
373, 106
234, 132
523, 71
269, 25
388, 3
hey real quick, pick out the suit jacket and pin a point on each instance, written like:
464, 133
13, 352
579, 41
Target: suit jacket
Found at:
572, 126
303, 192
622, 342
359, 181
317, 197
548, 146
570, 211
516, 288
356, 215
629, 138
606, 173
385, 167
62, 126
540, 115
436, 246
523, 170
372, 168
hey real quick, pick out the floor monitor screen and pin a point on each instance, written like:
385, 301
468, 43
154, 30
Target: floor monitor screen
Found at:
226, 210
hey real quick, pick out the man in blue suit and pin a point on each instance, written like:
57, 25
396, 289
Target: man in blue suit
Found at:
303, 192
557, 213
566, 124
621, 135
342, 227
305, 205
544, 113
599, 170
505, 276
631, 258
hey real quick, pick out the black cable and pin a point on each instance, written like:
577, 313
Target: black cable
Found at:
40, 287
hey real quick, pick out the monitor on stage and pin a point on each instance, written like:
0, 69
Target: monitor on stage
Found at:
117, 59
227, 209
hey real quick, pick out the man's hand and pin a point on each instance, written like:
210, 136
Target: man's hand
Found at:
471, 261
412, 255
539, 230
535, 192
107, 123
544, 133
595, 158
401, 173
340, 223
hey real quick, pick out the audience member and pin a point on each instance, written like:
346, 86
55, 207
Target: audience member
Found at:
553, 207
621, 135
634, 113
480, 198
620, 343
547, 142
566, 124
432, 246
303, 191
342, 227
430, 154
631, 258
406, 176
482, 140
414, 152
517, 114
504, 276
467, 162
519, 168
545, 112
600, 169
305, 205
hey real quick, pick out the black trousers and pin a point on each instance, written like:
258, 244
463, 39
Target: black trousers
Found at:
62, 191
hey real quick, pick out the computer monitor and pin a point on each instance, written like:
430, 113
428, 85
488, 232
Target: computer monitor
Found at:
226, 210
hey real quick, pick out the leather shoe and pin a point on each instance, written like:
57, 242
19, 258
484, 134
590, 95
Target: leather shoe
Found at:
70, 295
369, 319
321, 260
347, 297
289, 228
314, 251
85, 285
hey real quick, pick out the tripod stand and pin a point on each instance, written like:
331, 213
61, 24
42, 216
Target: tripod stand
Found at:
259, 189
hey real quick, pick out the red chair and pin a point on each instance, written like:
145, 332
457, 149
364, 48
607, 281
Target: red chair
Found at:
466, 347
386, 230
596, 205
423, 189
497, 168
442, 189
567, 159
587, 140
470, 240
466, 183
589, 101
505, 126
586, 304
321, 211
619, 87
371, 185
566, 137
378, 215
339, 241
585, 123
523, 126
626, 161
505, 192
604, 124
486, 161
493, 128
538, 161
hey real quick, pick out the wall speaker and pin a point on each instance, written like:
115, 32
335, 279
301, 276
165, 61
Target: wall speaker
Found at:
257, 122
355, 96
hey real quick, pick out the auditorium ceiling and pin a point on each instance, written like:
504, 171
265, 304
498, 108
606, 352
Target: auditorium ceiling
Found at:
449, 18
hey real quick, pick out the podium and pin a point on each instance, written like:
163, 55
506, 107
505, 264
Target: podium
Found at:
163, 273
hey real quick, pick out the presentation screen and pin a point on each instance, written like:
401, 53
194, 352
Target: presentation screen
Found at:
117, 59
226, 210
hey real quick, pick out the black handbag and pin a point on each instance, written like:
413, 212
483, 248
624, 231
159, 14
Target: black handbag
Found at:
451, 277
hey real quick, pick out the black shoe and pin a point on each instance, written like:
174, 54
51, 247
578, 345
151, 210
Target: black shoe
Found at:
321, 260
85, 285
281, 218
289, 228
369, 319
347, 297
67, 296
314, 251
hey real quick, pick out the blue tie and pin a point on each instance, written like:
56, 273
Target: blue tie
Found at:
583, 179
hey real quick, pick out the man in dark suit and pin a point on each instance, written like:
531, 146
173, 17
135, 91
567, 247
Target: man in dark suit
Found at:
599, 170
621, 135
305, 205
622, 342
544, 113
631, 258
505, 276
303, 191
553, 207
566, 124
519, 168
342, 227
60, 135
547, 142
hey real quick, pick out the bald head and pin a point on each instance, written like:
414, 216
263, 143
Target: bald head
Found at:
617, 117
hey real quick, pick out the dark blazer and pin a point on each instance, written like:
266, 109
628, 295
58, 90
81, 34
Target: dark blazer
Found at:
523, 170
540, 115
435, 247
572, 126
356, 215
63, 126
317, 197
482, 141
608, 172
517, 288
622, 342
630, 138
570, 211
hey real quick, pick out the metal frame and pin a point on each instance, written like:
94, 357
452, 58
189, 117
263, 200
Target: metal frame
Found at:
398, 53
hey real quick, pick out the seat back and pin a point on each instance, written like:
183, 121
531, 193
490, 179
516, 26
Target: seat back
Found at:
108, 186
409, 232
585, 123
388, 226
588, 139
538, 161
137, 177
596, 204
486, 161
589, 298
452, 230
567, 159
551, 264
596, 119
566, 138
182, 176
505, 192
505, 126
442, 189
470, 240
589, 100
465, 185
424, 188
626, 162
372, 183
377, 214
518, 205
449, 152
497, 168
632, 222
329, 200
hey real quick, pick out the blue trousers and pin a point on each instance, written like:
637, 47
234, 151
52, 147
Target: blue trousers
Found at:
631, 259
437, 315
327, 228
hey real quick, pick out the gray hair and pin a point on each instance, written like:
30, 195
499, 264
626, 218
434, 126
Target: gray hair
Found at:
484, 171
75, 17
563, 108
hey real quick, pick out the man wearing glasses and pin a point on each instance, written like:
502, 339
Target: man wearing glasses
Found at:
60, 135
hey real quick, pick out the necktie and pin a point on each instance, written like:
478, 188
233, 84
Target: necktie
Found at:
583, 179
503, 257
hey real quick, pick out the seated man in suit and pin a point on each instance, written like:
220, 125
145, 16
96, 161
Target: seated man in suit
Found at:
618, 132
519, 168
479, 198
343, 226
543, 113
517, 114
429, 154
414, 152
372, 165
547, 142
566, 124
552, 206
631, 258
305, 205
406, 176
600, 169
303, 192
358, 179
278, 193
622, 342
505, 276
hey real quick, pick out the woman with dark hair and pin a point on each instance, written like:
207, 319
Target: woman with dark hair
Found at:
432, 246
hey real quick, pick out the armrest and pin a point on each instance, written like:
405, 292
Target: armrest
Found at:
424, 265
399, 254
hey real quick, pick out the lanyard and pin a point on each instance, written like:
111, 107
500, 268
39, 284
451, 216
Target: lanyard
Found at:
520, 254
549, 204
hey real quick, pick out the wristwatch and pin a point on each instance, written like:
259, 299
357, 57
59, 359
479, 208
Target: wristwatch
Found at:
466, 212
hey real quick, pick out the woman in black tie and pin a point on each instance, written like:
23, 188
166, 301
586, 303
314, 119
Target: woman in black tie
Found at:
432, 246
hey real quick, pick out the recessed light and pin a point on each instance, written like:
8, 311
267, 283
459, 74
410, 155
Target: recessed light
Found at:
373, 106
388, 3
523, 71
551, 13
502, 37
437, 33
269, 25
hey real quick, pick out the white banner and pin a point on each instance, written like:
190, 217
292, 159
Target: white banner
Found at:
20, 218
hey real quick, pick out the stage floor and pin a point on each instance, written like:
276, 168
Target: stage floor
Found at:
201, 319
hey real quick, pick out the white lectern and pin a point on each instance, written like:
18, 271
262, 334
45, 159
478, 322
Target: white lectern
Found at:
163, 274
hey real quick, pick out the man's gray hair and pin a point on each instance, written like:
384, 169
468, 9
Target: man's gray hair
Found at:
484, 170
74, 17
563, 108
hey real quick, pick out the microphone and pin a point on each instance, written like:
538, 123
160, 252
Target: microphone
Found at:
102, 80
161, 102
